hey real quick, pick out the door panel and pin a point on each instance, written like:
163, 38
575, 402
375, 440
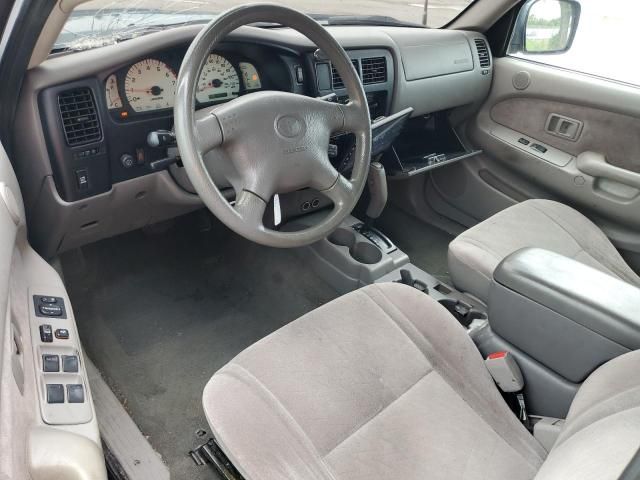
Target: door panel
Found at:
604, 185
38, 439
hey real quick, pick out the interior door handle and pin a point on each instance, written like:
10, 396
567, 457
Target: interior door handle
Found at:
595, 164
563, 127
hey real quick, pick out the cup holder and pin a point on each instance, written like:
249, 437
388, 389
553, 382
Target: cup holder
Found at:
365, 252
360, 251
345, 237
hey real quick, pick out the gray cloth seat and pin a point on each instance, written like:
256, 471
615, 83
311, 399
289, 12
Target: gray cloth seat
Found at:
474, 255
383, 383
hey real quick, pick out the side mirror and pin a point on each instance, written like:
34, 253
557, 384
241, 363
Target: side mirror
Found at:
547, 26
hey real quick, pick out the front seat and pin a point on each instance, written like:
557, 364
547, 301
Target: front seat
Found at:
383, 383
475, 254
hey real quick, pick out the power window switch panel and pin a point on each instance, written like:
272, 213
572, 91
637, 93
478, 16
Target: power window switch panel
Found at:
70, 363
50, 363
75, 393
55, 393
46, 333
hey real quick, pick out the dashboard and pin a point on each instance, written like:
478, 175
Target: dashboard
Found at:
86, 167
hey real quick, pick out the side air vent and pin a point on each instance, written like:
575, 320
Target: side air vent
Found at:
374, 70
483, 53
336, 80
79, 116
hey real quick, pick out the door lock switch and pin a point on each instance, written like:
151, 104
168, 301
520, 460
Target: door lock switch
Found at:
523, 141
46, 333
62, 334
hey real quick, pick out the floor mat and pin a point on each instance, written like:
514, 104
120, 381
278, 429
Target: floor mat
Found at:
425, 244
159, 314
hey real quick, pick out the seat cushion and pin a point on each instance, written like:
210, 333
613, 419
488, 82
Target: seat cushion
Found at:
474, 255
381, 383
602, 431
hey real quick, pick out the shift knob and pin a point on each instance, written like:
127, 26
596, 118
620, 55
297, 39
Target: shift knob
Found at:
377, 181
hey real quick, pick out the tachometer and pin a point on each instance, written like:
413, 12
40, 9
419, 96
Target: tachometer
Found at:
150, 85
218, 80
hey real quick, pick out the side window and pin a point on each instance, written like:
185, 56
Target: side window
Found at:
595, 37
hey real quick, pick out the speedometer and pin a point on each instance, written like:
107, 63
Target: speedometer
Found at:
150, 85
218, 80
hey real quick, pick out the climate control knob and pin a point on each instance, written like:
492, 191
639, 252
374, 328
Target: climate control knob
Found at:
127, 160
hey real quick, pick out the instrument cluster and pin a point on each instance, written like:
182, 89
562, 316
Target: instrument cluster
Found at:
149, 85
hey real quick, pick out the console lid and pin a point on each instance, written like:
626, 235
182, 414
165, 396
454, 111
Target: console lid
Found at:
567, 315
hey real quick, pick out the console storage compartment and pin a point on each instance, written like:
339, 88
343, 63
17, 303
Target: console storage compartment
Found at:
567, 316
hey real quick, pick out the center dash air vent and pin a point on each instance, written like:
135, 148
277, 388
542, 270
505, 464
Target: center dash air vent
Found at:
374, 70
483, 53
336, 80
79, 116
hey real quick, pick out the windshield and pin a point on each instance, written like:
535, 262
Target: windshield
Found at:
103, 22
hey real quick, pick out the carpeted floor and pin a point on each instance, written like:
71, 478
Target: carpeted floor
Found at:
425, 244
160, 313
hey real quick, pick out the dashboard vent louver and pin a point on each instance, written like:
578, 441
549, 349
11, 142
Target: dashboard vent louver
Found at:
336, 80
483, 53
374, 70
79, 116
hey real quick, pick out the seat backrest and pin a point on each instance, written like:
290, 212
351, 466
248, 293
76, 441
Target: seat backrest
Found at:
602, 433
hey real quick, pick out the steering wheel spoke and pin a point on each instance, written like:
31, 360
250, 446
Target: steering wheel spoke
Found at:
250, 208
208, 131
340, 193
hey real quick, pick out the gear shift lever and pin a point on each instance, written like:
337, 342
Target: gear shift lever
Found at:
377, 181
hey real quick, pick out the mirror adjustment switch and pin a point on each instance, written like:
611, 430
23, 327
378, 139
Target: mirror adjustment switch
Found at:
70, 363
51, 310
62, 334
49, 306
55, 393
50, 363
46, 334
75, 393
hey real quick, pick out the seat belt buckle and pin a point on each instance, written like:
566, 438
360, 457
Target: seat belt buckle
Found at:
507, 374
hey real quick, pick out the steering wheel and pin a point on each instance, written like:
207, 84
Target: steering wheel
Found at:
273, 142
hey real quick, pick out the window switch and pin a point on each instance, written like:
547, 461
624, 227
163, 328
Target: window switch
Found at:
524, 141
539, 148
70, 363
50, 363
75, 393
82, 179
55, 393
46, 333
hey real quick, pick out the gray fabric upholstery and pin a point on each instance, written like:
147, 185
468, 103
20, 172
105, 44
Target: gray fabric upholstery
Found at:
602, 431
381, 383
474, 255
